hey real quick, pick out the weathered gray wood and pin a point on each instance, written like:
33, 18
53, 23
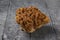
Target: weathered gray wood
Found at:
3, 14
50, 31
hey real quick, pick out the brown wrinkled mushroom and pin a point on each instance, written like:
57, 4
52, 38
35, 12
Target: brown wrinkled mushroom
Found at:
31, 18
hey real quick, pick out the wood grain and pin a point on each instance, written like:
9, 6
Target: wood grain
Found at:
11, 30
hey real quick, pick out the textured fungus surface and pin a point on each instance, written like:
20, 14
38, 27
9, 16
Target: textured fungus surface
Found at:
30, 18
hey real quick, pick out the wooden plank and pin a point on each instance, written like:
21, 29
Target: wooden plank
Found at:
47, 32
3, 14
55, 13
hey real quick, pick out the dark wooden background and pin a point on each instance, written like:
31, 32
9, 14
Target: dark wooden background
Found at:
9, 28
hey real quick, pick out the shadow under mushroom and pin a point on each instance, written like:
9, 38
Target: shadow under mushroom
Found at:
44, 32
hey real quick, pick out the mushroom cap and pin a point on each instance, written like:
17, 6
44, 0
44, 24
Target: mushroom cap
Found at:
31, 18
